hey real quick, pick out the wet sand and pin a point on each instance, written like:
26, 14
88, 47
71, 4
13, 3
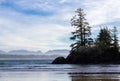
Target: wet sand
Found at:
95, 77
33, 76
55, 76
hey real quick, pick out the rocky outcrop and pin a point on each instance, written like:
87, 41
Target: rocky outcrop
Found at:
91, 55
59, 60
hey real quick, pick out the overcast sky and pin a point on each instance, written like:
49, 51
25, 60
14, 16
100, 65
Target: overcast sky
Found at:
45, 24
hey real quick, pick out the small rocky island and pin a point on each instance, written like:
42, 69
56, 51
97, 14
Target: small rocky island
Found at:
104, 49
90, 56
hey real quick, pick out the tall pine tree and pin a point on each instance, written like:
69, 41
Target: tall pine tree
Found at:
115, 39
104, 39
82, 30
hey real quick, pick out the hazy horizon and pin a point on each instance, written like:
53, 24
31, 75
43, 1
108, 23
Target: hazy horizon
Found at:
35, 51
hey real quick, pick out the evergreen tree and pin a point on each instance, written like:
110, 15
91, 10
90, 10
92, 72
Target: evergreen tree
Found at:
82, 30
115, 39
104, 39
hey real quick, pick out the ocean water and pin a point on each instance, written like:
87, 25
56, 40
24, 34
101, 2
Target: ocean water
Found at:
43, 70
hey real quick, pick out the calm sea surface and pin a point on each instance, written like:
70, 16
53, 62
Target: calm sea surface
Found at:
43, 70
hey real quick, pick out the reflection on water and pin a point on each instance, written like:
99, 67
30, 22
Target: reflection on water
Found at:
95, 77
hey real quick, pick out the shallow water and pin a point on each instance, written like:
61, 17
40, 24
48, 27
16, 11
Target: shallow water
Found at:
42, 70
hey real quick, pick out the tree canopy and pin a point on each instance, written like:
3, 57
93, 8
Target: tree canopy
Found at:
115, 39
107, 39
82, 30
104, 39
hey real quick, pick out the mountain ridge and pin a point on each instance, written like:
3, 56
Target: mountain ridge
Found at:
22, 52
25, 54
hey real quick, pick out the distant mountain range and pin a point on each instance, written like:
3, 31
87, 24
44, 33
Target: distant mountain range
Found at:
2, 52
21, 52
25, 54
58, 52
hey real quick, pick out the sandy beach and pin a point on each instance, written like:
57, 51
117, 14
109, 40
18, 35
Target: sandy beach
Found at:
52, 76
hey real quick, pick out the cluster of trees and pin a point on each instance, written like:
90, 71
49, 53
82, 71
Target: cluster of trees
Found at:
85, 50
107, 39
104, 49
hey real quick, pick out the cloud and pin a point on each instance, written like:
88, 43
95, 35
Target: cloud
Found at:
36, 4
31, 32
103, 11
1, 1
50, 28
63, 1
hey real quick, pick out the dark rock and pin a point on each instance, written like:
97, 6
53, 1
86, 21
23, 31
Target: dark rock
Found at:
59, 60
90, 55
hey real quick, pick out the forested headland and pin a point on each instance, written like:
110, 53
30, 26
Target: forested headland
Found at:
104, 49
